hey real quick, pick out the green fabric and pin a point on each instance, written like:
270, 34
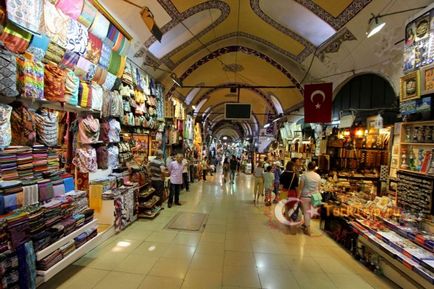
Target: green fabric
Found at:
316, 199
115, 63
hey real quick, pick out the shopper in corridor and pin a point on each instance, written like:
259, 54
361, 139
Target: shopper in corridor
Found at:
233, 166
175, 169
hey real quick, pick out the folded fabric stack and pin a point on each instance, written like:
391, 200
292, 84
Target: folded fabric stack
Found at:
26, 265
40, 160
8, 165
68, 225
4, 237
41, 240
36, 220
53, 160
52, 213
67, 207
58, 186
45, 190
80, 240
88, 215
18, 228
49, 261
25, 163
31, 193
79, 220
56, 232
80, 201
9, 270
11, 196
68, 248
91, 233
68, 182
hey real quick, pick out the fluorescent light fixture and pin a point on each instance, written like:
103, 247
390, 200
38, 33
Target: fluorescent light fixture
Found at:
267, 125
374, 26
225, 138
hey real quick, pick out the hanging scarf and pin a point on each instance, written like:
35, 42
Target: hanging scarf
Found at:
72, 84
55, 24
88, 14
5, 125
27, 14
72, 8
15, 38
93, 50
38, 46
100, 26
54, 83
88, 130
77, 39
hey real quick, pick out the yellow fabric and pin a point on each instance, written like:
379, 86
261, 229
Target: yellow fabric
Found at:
95, 197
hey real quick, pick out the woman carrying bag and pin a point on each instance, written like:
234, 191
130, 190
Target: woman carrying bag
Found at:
289, 184
310, 184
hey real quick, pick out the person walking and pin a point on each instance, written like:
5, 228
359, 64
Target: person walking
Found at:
310, 183
277, 171
268, 185
158, 169
233, 166
175, 170
185, 177
204, 168
226, 169
259, 181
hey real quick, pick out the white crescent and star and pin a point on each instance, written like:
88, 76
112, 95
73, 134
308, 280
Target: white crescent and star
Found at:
316, 92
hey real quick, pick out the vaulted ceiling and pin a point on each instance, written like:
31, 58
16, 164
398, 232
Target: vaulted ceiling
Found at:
261, 43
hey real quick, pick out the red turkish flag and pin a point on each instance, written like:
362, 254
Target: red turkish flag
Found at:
318, 102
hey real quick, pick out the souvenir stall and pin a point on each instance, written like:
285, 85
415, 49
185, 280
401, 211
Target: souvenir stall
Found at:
390, 231
71, 105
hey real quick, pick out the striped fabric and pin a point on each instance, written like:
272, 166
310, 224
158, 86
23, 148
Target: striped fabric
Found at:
88, 14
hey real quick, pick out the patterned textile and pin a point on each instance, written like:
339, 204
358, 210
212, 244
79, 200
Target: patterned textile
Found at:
113, 156
55, 53
88, 14
85, 159
8, 74
100, 26
27, 14
114, 131
55, 24
100, 75
72, 84
72, 8
5, 125
30, 81
115, 63
85, 69
23, 126
15, 38
102, 157
70, 60
85, 95
88, 130
116, 104
77, 37
106, 53
38, 46
46, 127
97, 95
54, 83
94, 47
109, 82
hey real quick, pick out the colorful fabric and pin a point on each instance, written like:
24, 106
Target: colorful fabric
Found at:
85, 95
88, 14
55, 53
23, 127
100, 75
122, 66
8, 74
72, 84
70, 60
38, 46
54, 83
77, 37
97, 95
85, 159
94, 47
47, 127
109, 82
30, 81
5, 125
72, 8
106, 53
15, 38
55, 24
88, 130
100, 26
124, 48
26, 14
115, 63
85, 69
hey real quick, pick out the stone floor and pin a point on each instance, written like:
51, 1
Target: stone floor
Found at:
242, 246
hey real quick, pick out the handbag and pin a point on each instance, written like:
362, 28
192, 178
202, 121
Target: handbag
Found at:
316, 199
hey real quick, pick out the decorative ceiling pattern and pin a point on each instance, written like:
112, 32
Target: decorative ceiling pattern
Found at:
231, 49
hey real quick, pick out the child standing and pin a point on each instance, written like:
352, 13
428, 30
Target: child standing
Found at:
268, 185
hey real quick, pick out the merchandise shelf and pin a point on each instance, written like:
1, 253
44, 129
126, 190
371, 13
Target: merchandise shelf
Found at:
150, 216
53, 247
44, 276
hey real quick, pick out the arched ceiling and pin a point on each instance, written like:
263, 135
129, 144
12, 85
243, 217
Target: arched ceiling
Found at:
263, 43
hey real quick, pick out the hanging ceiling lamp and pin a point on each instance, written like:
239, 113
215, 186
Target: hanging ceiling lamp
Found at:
375, 25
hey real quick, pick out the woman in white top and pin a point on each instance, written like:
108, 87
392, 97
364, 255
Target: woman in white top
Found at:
259, 181
310, 183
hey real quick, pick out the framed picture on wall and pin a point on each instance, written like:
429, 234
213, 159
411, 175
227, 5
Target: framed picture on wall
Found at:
410, 86
427, 82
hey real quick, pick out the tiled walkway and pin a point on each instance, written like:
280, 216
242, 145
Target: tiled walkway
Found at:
241, 247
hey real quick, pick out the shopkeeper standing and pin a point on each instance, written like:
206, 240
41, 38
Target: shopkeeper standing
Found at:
185, 176
175, 169
157, 175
